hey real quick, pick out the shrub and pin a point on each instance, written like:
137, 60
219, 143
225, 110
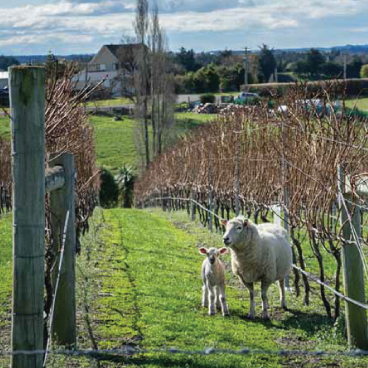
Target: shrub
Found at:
109, 189
364, 71
125, 180
208, 98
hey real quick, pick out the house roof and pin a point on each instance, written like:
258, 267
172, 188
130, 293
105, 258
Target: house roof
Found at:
118, 50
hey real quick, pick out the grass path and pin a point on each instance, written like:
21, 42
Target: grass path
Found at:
139, 284
146, 292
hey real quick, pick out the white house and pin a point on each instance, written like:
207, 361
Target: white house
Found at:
111, 64
4, 76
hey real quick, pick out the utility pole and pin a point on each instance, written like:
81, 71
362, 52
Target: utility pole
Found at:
246, 69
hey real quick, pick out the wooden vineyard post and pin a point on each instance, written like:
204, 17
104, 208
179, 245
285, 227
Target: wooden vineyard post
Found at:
62, 201
27, 100
356, 317
192, 206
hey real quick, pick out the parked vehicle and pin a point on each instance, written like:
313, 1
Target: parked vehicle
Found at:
4, 97
246, 98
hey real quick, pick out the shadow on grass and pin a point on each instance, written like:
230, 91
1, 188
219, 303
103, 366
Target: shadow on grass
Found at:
164, 360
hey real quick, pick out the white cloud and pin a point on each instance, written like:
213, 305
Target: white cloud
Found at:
89, 20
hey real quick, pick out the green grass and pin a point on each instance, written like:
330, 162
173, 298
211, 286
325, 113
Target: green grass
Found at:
360, 103
145, 290
4, 128
114, 142
6, 282
110, 102
186, 121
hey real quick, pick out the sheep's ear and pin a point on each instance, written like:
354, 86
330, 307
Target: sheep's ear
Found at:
203, 250
222, 250
224, 223
246, 223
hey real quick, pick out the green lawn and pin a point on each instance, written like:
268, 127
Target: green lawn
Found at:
110, 102
139, 274
114, 142
4, 128
360, 103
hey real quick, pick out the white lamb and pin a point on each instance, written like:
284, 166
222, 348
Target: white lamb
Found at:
213, 277
258, 253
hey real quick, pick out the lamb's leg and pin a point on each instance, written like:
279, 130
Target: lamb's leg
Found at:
204, 296
211, 301
250, 287
264, 287
224, 308
218, 293
282, 294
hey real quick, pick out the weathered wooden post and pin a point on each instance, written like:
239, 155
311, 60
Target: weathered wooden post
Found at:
62, 201
27, 101
192, 205
356, 317
237, 180
210, 194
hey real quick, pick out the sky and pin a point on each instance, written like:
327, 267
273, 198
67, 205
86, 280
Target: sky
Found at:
29, 27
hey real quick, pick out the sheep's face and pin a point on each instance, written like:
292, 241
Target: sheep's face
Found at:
212, 253
234, 231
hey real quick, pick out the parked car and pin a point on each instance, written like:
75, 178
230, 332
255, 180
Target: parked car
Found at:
4, 97
246, 98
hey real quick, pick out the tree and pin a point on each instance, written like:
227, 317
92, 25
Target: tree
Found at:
125, 179
314, 62
331, 70
267, 62
186, 58
7, 61
141, 85
353, 69
364, 71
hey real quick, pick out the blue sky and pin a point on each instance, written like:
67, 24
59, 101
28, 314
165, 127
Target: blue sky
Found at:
82, 26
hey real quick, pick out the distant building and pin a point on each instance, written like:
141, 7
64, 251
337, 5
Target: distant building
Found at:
114, 64
4, 76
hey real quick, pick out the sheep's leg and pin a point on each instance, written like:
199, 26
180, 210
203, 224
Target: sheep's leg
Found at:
211, 301
224, 307
204, 296
264, 287
250, 288
282, 294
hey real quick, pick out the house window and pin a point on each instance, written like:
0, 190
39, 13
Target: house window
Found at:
101, 67
115, 66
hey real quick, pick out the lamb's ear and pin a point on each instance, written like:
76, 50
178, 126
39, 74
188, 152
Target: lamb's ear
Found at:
246, 223
222, 251
224, 223
203, 251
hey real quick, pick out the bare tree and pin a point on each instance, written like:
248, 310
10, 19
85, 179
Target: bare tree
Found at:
162, 87
141, 30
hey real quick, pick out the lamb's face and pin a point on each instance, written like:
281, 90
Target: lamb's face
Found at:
212, 253
234, 229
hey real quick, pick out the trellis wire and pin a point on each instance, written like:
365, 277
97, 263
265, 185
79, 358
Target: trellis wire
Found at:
129, 351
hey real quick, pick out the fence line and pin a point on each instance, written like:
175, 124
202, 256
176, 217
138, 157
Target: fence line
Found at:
129, 351
310, 276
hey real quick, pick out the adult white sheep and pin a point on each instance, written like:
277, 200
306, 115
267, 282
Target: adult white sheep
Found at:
258, 253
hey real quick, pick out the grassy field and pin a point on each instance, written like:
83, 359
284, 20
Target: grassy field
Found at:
360, 103
139, 285
115, 143
110, 102
4, 128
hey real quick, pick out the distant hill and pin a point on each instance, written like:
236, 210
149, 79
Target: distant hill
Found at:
35, 59
350, 49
